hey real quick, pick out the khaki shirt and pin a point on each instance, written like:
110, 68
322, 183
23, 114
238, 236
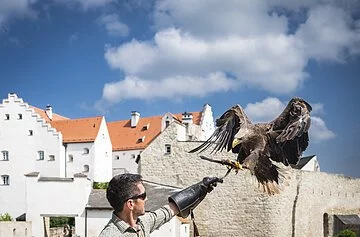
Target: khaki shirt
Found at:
147, 223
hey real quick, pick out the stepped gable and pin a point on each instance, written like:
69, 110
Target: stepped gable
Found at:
36, 113
43, 114
78, 130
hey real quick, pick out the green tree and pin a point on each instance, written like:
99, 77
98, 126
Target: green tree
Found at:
61, 221
346, 233
100, 185
5, 217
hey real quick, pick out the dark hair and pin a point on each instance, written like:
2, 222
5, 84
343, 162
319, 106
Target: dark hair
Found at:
121, 188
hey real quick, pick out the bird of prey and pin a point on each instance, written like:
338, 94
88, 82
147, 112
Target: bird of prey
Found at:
257, 145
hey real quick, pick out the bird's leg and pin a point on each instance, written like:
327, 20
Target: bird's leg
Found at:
230, 164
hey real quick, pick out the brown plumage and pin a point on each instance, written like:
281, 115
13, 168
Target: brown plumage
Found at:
281, 140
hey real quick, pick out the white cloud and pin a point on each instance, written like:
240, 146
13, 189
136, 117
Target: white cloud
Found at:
248, 40
317, 108
268, 109
318, 130
328, 34
264, 111
113, 25
176, 88
16, 8
85, 4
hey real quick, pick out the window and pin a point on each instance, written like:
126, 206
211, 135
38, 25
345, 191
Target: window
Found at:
40, 155
70, 158
116, 158
132, 156
7, 116
167, 148
5, 180
5, 155
86, 168
30, 133
19, 116
167, 123
51, 158
86, 151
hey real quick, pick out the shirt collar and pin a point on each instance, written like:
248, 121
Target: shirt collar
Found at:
122, 225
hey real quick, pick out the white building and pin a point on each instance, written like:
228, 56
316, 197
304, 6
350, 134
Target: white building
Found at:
27, 143
130, 137
49, 162
35, 140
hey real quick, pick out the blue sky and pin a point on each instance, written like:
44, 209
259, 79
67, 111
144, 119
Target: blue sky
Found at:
109, 57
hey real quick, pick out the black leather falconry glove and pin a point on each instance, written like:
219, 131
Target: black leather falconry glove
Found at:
188, 198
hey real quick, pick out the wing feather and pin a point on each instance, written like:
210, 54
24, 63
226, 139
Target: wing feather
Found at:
292, 127
227, 126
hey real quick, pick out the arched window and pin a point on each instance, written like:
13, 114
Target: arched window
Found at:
86, 168
86, 151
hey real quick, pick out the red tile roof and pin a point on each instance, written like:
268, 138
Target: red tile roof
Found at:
78, 130
43, 114
124, 137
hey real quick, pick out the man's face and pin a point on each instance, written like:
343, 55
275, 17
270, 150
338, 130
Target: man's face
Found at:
139, 207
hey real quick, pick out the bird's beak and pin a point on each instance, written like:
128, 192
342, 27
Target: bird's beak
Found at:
235, 142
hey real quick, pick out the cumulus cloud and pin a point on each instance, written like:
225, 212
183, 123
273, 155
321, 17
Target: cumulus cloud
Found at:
171, 87
113, 25
271, 107
85, 4
248, 40
16, 8
319, 131
264, 111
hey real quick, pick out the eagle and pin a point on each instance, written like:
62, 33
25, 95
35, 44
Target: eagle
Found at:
257, 145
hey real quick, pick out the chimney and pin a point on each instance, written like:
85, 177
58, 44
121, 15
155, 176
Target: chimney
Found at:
48, 111
187, 118
135, 116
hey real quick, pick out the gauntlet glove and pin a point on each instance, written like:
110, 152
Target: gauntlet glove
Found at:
188, 198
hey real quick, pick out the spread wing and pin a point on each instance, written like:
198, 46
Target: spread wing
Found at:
290, 132
227, 126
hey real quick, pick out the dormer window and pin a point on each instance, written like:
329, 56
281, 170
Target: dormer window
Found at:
141, 139
167, 123
146, 127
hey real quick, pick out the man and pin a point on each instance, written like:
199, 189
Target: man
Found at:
126, 194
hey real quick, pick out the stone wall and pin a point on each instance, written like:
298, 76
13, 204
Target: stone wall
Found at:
15, 228
238, 207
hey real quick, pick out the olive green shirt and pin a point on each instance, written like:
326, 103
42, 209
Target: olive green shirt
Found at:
147, 223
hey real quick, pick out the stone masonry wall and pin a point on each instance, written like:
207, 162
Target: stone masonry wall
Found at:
238, 207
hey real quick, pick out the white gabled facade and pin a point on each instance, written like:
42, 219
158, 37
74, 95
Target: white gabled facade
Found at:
102, 154
27, 144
